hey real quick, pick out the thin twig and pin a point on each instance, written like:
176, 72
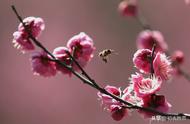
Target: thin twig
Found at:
91, 82
152, 59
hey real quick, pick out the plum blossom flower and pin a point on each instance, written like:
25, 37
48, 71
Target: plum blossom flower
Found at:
107, 100
21, 41
145, 86
82, 47
41, 65
128, 8
157, 102
60, 54
130, 97
162, 66
112, 105
20, 37
147, 38
118, 112
142, 60
35, 24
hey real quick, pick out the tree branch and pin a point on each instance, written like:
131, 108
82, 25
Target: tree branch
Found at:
88, 80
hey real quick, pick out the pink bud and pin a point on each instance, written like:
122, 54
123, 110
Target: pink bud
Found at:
41, 65
128, 8
178, 57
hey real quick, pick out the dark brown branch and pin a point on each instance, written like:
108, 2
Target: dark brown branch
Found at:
91, 82
152, 59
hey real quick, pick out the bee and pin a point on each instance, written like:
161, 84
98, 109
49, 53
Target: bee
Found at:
105, 54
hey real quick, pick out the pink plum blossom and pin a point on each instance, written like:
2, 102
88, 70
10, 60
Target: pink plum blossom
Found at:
145, 86
82, 47
142, 60
107, 100
157, 102
128, 7
20, 37
162, 66
147, 38
21, 41
118, 112
41, 65
60, 54
129, 96
35, 24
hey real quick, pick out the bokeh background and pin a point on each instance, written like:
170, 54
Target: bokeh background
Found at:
29, 99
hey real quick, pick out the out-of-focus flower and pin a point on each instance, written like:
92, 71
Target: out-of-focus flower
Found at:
128, 8
35, 24
162, 66
177, 57
147, 38
145, 86
81, 47
187, 2
41, 64
60, 54
142, 60
157, 102
118, 112
21, 41
21, 38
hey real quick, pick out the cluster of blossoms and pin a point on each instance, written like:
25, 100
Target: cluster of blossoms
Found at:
80, 46
150, 59
142, 91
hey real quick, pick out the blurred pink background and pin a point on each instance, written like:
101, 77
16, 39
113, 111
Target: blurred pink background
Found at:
29, 99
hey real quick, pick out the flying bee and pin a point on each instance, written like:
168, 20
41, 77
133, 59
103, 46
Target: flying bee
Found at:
105, 54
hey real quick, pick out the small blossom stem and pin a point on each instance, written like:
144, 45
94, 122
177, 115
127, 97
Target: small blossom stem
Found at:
151, 60
82, 70
91, 82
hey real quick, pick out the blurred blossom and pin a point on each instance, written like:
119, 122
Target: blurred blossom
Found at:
21, 39
128, 7
60, 54
177, 57
35, 24
147, 38
41, 64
